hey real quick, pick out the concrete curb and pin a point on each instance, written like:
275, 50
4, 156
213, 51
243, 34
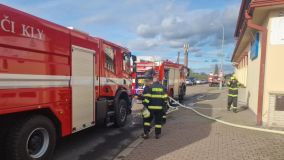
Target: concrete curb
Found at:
124, 153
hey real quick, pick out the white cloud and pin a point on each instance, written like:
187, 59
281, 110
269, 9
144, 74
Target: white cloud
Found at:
160, 26
143, 44
146, 31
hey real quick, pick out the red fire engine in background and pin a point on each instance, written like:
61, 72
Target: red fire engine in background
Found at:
172, 76
55, 81
214, 80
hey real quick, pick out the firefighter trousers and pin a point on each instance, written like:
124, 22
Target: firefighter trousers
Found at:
157, 115
232, 100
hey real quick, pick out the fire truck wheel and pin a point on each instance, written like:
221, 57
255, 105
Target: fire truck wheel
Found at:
33, 138
121, 113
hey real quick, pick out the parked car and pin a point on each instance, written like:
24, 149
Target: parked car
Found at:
203, 82
198, 81
189, 82
193, 80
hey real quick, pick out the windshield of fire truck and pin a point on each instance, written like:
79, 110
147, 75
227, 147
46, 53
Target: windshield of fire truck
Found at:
126, 63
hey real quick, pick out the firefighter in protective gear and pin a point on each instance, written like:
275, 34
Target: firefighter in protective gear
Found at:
156, 103
233, 86
145, 101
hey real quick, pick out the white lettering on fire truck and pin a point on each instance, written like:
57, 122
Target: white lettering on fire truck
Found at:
8, 25
29, 31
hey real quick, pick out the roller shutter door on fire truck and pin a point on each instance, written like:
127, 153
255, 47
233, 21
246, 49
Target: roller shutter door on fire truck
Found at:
82, 82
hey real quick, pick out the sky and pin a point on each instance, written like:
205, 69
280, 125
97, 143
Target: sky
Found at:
151, 27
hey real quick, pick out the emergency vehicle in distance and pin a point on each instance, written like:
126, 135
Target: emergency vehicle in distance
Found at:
172, 75
55, 81
214, 80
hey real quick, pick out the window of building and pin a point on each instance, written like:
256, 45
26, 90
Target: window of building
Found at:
279, 103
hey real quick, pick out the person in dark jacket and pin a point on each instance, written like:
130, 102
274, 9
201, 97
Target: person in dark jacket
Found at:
233, 86
145, 101
156, 102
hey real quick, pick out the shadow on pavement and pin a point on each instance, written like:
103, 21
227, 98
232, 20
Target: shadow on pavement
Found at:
242, 108
96, 143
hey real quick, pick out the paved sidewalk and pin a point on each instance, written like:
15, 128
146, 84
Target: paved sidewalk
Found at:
188, 136
214, 104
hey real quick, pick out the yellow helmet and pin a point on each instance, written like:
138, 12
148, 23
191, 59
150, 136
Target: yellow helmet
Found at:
233, 78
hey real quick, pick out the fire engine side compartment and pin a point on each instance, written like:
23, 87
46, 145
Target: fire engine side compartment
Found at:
82, 83
34, 67
173, 78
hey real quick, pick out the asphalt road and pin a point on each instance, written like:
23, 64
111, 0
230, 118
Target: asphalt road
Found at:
98, 143
105, 143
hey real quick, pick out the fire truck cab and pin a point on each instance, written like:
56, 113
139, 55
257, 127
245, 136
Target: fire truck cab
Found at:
55, 81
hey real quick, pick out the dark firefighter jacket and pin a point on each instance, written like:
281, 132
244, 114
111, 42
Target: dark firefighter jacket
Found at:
155, 97
146, 96
233, 88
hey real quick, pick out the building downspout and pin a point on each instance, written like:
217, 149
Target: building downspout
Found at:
263, 31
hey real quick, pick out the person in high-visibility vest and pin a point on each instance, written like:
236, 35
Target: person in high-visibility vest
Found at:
156, 104
233, 86
145, 101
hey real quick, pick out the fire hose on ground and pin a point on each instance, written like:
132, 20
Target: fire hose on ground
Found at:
227, 123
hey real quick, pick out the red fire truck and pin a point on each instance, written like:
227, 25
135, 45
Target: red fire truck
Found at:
214, 80
172, 75
140, 75
55, 81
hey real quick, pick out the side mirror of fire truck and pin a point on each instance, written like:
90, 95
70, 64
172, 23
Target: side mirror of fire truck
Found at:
134, 59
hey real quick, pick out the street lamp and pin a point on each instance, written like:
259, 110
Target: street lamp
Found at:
222, 57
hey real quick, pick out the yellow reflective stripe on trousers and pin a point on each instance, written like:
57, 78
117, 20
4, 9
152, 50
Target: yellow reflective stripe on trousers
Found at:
158, 126
164, 116
233, 88
232, 95
146, 101
147, 124
157, 89
155, 107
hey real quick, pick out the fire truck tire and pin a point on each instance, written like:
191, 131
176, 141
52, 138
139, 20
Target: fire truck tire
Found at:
121, 113
32, 138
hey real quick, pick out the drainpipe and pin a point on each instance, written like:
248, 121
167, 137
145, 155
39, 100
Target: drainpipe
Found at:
263, 31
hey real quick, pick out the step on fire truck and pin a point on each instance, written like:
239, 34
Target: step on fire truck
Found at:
172, 76
55, 81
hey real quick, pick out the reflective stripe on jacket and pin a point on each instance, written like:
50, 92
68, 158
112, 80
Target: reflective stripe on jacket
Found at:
146, 96
158, 96
233, 88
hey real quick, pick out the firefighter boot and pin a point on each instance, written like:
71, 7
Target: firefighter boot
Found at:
164, 120
228, 108
158, 136
145, 135
235, 109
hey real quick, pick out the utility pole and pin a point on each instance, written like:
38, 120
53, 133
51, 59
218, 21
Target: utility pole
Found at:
222, 61
186, 50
